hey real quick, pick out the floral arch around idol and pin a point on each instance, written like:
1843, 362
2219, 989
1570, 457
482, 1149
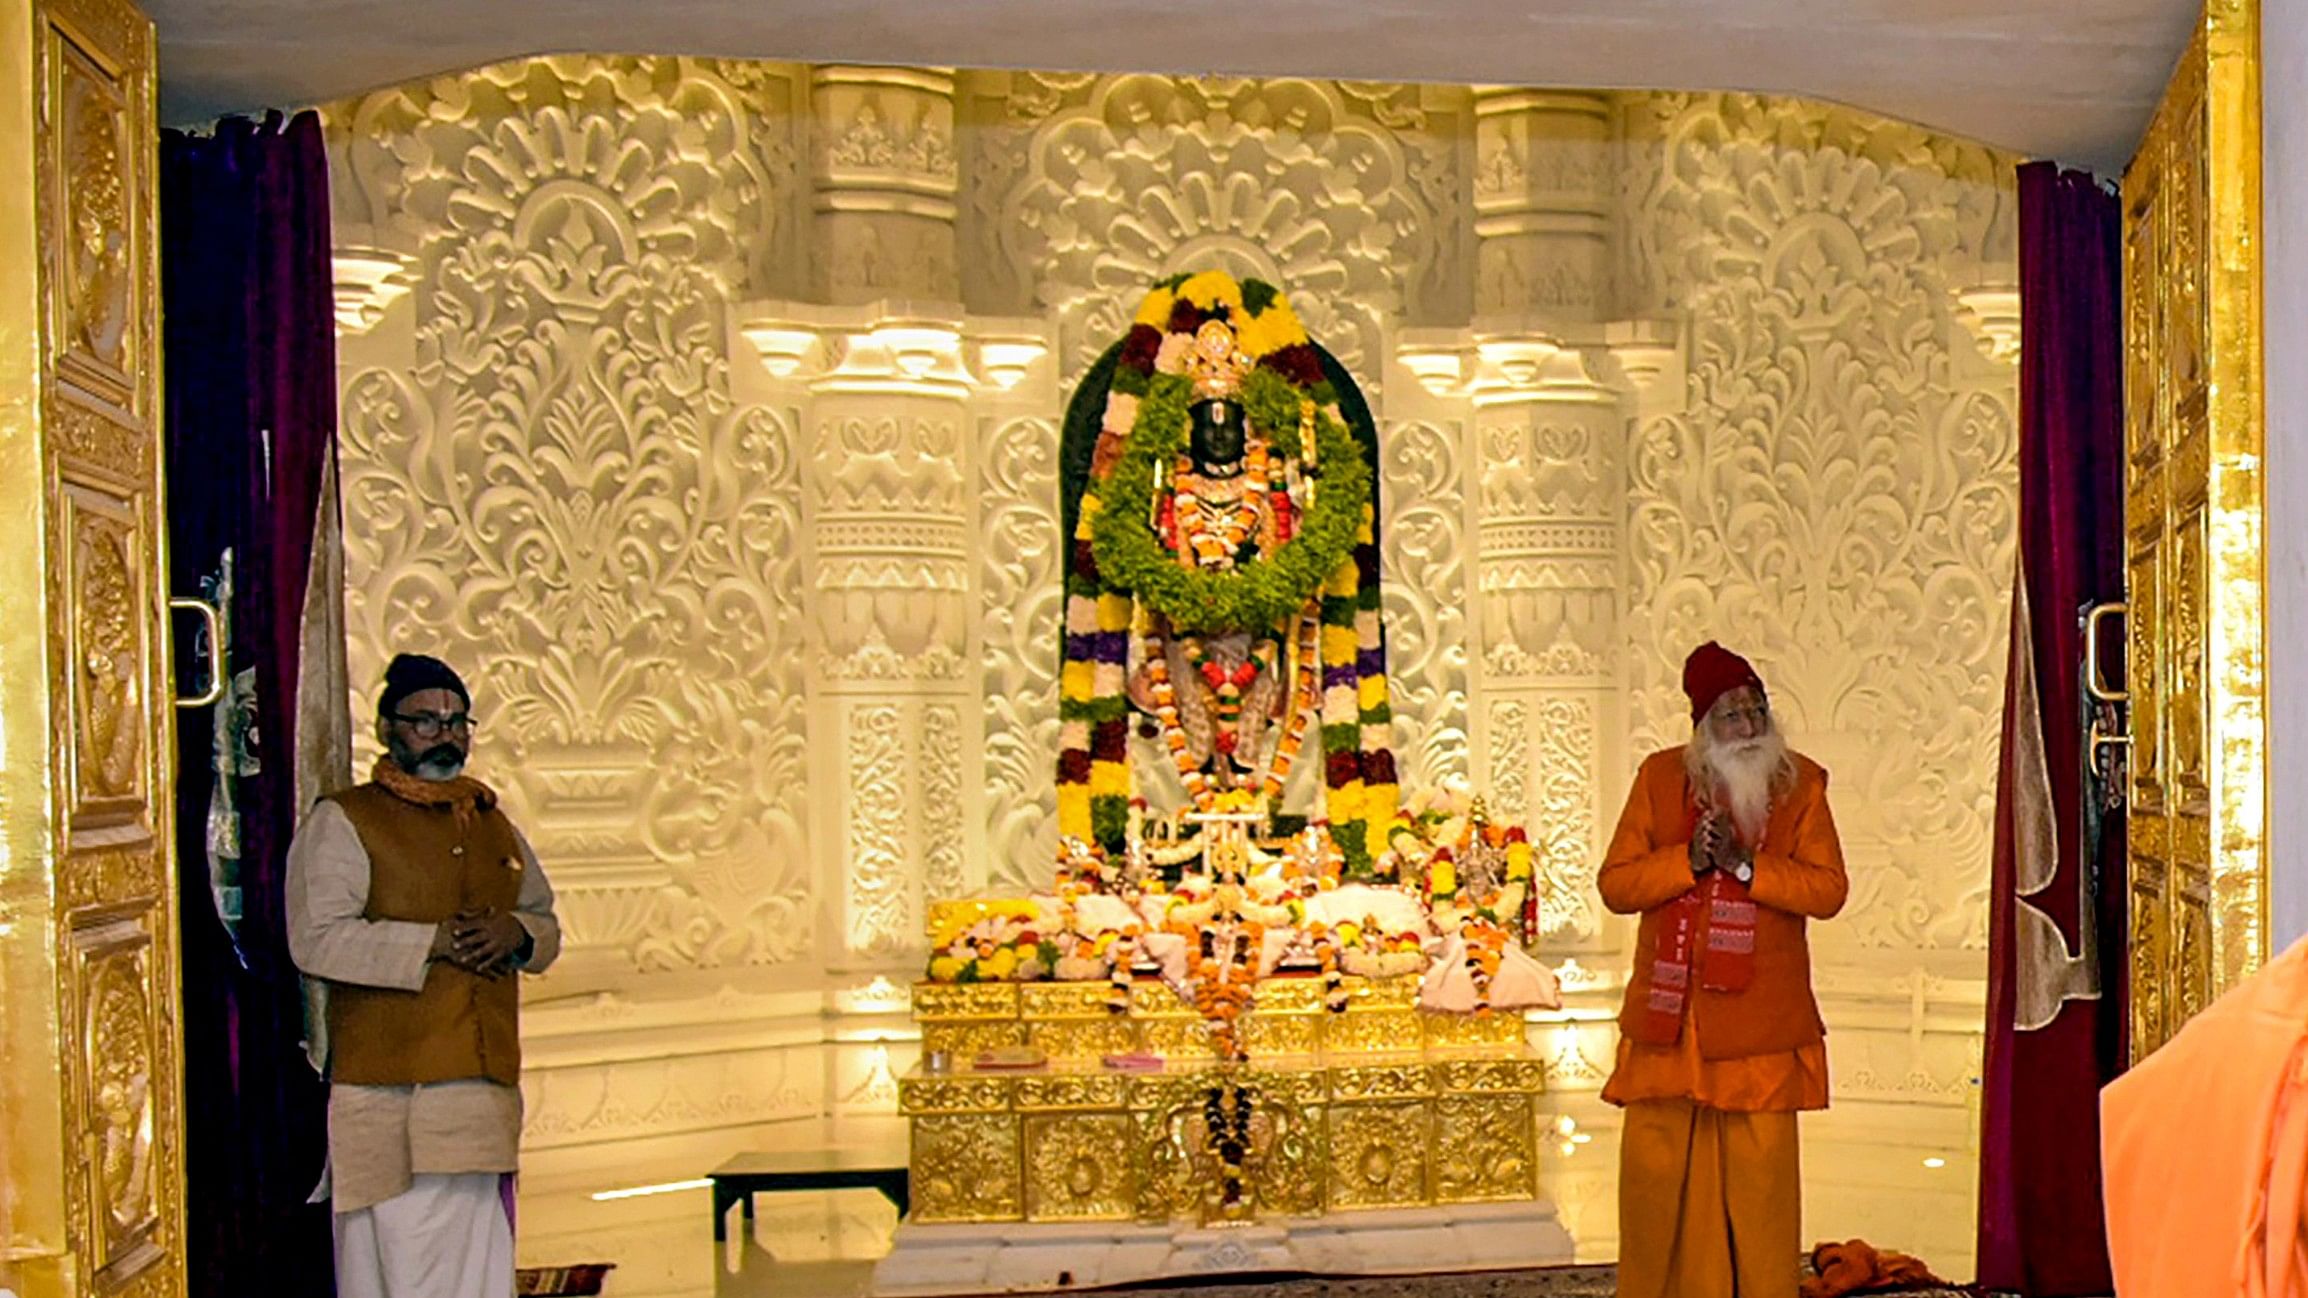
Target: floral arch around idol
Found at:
1222, 598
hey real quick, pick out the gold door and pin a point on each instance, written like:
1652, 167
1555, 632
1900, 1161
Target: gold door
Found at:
90, 1073
2193, 501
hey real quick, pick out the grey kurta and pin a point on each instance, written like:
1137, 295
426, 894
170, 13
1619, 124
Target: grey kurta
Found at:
380, 1136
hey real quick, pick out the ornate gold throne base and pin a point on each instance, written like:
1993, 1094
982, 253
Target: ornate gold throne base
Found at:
1382, 1106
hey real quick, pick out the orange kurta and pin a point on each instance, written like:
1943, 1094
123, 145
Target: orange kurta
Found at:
2204, 1149
1799, 876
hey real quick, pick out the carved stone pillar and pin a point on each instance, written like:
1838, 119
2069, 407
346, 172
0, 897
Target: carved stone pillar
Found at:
886, 179
892, 398
1541, 415
1543, 177
1548, 450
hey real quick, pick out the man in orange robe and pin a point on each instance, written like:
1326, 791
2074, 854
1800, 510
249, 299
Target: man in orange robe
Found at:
1726, 850
2204, 1149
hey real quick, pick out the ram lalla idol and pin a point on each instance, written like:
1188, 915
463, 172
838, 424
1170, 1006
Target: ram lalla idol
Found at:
1263, 987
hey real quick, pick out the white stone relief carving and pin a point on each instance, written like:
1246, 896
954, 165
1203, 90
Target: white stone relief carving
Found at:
1424, 561
1566, 852
869, 520
1839, 498
1022, 598
561, 496
1510, 756
876, 763
1138, 176
941, 806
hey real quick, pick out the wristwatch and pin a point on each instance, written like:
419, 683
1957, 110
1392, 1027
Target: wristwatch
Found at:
1742, 869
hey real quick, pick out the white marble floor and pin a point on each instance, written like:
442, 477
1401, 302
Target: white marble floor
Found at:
1900, 1176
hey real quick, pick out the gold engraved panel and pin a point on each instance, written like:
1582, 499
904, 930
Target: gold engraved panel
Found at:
1292, 1033
1376, 1081
1063, 1000
1167, 1136
1083, 1038
121, 1059
1071, 1091
965, 1168
955, 1094
1378, 1155
935, 1001
1485, 1148
96, 237
92, 1073
107, 657
1079, 1167
1458, 1031
965, 1041
1371, 1031
1289, 1147
2194, 502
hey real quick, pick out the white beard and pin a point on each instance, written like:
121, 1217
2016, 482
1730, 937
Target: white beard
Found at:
1745, 771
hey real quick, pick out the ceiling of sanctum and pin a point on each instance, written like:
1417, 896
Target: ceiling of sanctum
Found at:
2074, 80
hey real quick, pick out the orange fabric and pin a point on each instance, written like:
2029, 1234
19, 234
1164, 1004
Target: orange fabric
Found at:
1710, 1203
1858, 1267
2204, 1149
1799, 876
1782, 1082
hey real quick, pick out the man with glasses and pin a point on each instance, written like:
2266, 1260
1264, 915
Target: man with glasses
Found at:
1726, 850
415, 900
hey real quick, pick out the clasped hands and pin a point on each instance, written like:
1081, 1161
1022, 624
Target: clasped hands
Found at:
481, 940
1715, 845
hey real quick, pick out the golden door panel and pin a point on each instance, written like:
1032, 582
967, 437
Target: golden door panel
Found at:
112, 925
120, 1063
108, 590
99, 147
2193, 523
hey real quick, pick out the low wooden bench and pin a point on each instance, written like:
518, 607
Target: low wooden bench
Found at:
746, 1175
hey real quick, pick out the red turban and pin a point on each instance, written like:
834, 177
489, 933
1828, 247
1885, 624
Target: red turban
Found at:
1713, 671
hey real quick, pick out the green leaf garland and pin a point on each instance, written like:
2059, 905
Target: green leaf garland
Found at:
1257, 594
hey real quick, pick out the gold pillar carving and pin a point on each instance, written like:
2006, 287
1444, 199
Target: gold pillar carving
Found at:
91, 1162
2193, 518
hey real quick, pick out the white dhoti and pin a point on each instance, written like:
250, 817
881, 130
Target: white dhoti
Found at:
445, 1236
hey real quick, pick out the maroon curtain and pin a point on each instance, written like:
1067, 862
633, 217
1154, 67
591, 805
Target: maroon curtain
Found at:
2040, 1225
250, 348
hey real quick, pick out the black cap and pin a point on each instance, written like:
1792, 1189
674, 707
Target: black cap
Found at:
414, 674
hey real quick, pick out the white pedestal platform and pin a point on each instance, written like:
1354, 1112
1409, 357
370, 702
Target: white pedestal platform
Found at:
1011, 1257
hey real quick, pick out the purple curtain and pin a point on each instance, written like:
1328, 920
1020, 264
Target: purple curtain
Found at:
2059, 865
250, 347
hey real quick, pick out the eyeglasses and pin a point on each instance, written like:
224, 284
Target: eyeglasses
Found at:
1758, 714
432, 725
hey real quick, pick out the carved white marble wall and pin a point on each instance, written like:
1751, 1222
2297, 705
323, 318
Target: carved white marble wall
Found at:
1837, 497
707, 413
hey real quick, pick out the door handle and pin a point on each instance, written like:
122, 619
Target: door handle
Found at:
2096, 685
213, 618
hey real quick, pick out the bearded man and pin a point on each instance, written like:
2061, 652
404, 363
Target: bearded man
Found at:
1726, 850
415, 900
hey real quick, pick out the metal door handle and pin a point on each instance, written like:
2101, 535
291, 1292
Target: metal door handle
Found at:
2093, 684
213, 617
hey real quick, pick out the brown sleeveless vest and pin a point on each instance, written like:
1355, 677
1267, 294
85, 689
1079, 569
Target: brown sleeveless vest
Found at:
421, 869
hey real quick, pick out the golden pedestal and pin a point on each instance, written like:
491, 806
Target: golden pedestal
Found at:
1381, 1106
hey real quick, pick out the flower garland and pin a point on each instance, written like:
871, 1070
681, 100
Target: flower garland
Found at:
1226, 1111
1251, 596
1223, 971
1163, 692
1486, 946
1119, 563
